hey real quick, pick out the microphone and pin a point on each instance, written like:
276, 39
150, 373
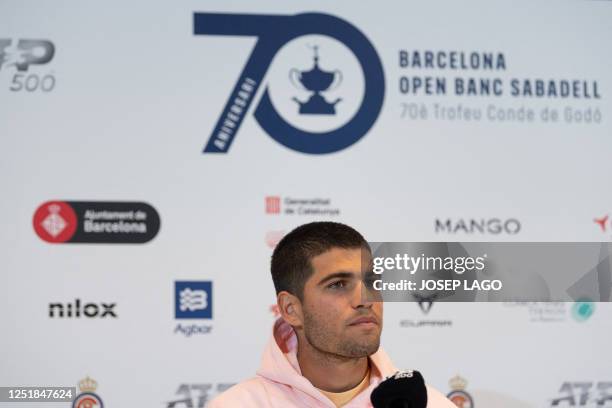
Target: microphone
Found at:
404, 389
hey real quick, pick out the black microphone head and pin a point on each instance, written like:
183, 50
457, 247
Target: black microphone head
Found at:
404, 389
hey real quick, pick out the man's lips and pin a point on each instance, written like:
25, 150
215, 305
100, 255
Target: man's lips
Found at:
364, 321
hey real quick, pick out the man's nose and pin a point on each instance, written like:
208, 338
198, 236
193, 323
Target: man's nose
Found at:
360, 297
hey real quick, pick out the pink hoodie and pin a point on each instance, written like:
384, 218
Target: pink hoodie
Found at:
280, 384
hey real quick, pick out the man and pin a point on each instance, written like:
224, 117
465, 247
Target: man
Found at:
324, 350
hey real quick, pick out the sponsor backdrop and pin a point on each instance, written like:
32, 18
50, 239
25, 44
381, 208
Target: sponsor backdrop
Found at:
153, 153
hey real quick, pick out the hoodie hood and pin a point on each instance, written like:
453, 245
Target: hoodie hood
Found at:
280, 384
279, 364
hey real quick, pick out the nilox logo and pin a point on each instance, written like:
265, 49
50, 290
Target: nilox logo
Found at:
116, 222
323, 82
79, 309
27, 57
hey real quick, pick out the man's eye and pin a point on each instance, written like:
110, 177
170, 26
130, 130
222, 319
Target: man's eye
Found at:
337, 285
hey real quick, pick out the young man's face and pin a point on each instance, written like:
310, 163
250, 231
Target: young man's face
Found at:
337, 318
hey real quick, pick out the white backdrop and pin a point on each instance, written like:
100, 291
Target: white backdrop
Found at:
136, 96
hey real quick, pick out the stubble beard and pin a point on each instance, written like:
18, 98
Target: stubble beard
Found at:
325, 342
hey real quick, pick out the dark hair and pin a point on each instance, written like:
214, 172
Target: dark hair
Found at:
291, 266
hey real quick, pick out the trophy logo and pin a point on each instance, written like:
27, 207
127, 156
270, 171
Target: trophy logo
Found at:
316, 81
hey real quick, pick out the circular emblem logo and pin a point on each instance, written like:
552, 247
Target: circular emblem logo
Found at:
582, 310
364, 91
461, 399
87, 400
55, 221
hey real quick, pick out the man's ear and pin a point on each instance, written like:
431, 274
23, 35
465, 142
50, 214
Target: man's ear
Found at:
290, 308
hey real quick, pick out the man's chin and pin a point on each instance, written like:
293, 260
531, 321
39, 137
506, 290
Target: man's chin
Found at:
361, 349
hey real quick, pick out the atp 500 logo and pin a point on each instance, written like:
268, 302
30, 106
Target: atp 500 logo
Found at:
23, 54
323, 92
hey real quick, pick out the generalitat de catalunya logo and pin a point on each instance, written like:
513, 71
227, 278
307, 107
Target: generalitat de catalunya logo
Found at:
323, 92
116, 222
